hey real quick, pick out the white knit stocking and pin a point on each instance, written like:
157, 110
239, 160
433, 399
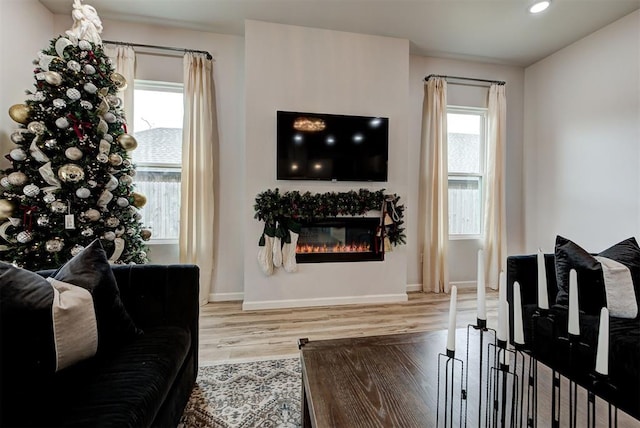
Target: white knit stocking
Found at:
289, 253
265, 255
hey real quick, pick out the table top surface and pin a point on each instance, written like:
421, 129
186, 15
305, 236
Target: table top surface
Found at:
379, 381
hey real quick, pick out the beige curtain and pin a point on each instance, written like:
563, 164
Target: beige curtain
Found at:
199, 142
495, 247
124, 61
433, 188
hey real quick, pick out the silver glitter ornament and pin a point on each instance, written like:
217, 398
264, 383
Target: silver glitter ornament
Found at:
59, 103
18, 155
58, 207
49, 197
24, 237
89, 69
31, 190
73, 94
90, 88
54, 245
4, 182
83, 193
39, 96
36, 127
87, 232
77, 249
62, 123
43, 220
70, 173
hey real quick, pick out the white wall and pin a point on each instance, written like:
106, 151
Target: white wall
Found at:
582, 140
25, 29
306, 69
463, 253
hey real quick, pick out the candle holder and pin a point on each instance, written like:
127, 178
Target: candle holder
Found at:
602, 386
481, 328
448, 366
543, 315
503, 394
574, 345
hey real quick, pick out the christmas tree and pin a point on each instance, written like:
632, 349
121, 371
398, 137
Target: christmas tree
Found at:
71, 176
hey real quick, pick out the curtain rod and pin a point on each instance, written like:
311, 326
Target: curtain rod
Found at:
497, 82
166, 48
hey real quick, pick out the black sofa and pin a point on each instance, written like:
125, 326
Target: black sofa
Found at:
545, 336
145, 382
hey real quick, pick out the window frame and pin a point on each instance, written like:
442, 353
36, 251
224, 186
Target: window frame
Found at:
476, 111
159, 86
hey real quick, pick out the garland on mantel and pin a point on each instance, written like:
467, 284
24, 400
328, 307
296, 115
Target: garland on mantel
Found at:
293, 207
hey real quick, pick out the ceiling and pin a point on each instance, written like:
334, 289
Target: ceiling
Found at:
499, 31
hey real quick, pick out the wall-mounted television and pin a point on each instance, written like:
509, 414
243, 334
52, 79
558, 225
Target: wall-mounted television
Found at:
318, 146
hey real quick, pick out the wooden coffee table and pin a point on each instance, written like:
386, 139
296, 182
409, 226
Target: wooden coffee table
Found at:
381, 381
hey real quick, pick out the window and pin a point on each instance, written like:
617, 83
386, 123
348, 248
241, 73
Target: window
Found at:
158, 114
466, 128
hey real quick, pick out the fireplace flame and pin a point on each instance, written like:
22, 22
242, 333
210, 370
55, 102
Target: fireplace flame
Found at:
351, 248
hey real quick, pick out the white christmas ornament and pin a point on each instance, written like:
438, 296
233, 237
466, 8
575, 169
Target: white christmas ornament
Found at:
92, 214
17, 137
112, 222
86, 105
39, 96
76, 250
62, 123
126, 180
17, 178
24, 237
109, 236
73, 94
84, 45
59, 103
88, 68
102, 158
73, 153
108, 137
83, 193
31, 190
74, 66
4, 182
49, 198
110, 117
90, 88
122, 202
36, 127
18, 155
58, 207
54, 245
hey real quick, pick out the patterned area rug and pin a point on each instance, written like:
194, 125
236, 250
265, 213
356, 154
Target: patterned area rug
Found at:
249, 394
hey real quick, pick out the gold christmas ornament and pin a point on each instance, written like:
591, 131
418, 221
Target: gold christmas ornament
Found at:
145, 234
6, 209
20, 113
70, 173
53, 78
128, 142
115, 159
119, 80
138, 200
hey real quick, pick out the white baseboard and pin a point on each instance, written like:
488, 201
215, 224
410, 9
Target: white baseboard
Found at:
414, 287
225, 297
327, 301
464, 284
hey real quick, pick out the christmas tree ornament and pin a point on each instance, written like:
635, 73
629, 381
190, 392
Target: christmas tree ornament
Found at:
61, 44
119, 230
102, 127
110, 117
127, 163
86, 105
145, 234
89, 69
4, 182
83, 193
49, 198
6, 209
58, 207
73, 94
112, 183
31, 190
62, 123
24, 237
73, 153
84, 45
112, 222
115, 159
108, 138
51, 143
139, 200
17, 137
53, 78
74, 66
70, 173
75, 250
126, 180
127, 142
122, 202
17, 178
92, 183
102, 158
109, 236
114, 101
92, 214
87, 231
43, 220
18, 155
36, 127
59, 103
90, 88
54, 245
20, 113
131, 231
39, 96
119, 81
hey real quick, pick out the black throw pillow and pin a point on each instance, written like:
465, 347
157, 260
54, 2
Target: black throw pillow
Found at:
591, 283
90, 269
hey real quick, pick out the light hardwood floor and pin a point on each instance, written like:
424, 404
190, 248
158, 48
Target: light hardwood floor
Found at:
229, 333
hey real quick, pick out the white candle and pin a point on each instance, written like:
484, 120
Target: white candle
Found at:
503, 320
574, 318
543, 298
451, 334
502, 287
518, 329
482, 305
602, 355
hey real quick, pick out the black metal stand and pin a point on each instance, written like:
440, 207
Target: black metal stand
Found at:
502, 408
521, 356
602, 385
445, 405
481, 328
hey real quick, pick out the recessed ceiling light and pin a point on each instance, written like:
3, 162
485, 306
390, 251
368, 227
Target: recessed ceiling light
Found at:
540, 6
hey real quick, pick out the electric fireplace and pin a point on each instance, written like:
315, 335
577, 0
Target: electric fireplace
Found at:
340, 239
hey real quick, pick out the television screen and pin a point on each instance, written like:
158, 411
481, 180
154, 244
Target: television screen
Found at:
313, 146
